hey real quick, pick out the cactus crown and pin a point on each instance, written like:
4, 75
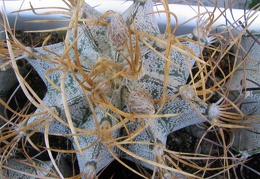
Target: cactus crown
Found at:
117, 87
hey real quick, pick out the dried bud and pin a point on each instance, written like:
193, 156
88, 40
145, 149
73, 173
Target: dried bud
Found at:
117, 31
141, 102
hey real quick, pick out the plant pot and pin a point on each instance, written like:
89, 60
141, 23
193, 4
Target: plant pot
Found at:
183, 12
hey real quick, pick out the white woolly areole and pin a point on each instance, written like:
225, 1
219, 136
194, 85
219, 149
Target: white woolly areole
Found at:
200, 33
244, 154
187, 93
25, 54
89, 171
248, 94
214, 110
158, 150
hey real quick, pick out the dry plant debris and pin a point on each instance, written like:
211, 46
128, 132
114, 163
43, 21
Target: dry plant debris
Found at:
116, 91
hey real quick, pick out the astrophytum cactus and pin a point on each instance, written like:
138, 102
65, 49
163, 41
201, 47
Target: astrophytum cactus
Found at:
117, 86
246, 78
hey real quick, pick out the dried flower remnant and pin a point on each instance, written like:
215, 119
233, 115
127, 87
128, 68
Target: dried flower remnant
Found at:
117, 31
104, 70
115, 82
141, 101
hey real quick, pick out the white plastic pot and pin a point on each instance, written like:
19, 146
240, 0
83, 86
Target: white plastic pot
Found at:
183, 12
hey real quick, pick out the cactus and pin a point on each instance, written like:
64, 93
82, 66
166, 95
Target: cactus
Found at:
250, 106
117, 87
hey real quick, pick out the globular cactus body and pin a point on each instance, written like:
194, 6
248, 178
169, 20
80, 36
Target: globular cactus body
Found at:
113, 70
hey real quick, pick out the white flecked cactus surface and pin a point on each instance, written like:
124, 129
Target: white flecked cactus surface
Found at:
117, 90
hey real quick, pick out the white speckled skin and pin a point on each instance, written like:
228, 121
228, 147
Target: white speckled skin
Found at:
93, 44
98, 150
